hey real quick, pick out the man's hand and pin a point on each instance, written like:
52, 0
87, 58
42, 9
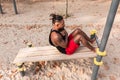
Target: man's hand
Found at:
64, 33
66, 36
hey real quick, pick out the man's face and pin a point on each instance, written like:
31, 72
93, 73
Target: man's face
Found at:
61, 24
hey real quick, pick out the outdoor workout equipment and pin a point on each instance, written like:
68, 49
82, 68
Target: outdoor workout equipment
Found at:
1, 8
101, 51
14, 5
48, 53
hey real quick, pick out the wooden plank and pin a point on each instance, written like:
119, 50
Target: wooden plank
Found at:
42, 52
48, 53
53, 57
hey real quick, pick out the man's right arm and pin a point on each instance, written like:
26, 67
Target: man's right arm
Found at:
60, 42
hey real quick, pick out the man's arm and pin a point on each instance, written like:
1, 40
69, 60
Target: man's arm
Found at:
66, 37
60, 42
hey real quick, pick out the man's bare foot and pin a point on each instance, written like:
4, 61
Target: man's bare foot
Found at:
92, 40
95, 49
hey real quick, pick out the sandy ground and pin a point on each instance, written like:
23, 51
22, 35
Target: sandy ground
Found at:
33, 24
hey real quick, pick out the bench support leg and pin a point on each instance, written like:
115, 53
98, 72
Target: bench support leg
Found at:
15, 7
1, 9
21, 69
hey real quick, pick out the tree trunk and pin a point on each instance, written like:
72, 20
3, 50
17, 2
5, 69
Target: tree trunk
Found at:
66, 14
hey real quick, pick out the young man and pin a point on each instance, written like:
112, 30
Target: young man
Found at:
67, 44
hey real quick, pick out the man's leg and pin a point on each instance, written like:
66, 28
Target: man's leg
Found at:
85, 35
79, 31
80, 38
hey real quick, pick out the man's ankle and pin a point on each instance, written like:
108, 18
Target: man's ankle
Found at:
94, 50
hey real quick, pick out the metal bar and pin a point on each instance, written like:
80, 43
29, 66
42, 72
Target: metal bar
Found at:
108, 26
15, 7
1, 8
66, 14
97, 41
92, 36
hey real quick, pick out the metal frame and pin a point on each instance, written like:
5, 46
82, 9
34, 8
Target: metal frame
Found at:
108, 26
14, 5
1, 8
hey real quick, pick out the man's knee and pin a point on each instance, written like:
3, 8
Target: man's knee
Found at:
78, 37
78, 30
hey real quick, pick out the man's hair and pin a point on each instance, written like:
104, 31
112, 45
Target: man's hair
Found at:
55, 18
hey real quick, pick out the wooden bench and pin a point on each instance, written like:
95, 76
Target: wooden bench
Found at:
48, 53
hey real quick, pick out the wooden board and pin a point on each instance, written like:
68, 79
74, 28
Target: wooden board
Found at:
48, 53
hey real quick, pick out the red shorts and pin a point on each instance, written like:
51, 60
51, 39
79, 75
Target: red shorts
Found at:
72, 46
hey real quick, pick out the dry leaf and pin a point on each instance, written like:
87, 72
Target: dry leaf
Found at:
56, 64
116, 60
82, 71
28, 27
106, 67
5, 42
37, 68
57, 68
74, 69
25, 41
11, 75
49, 74
112, 77
1, 76
42, 62
14, 71
101, 75
63, 77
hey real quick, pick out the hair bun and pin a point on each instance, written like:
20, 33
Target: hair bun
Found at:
52, 16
